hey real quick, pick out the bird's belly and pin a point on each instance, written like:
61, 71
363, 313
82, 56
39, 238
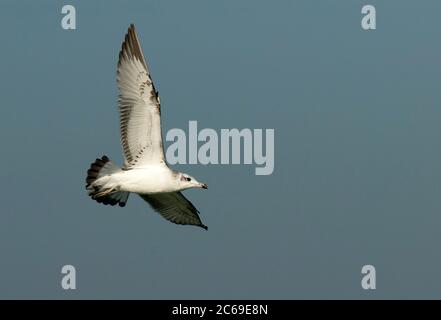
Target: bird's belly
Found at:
144, 181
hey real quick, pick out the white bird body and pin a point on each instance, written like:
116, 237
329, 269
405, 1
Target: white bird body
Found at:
148, 179
145, 171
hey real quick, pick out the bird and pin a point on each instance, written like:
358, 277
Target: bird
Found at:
145, 170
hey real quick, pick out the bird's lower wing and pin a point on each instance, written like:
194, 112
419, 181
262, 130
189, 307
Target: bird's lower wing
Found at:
174, 207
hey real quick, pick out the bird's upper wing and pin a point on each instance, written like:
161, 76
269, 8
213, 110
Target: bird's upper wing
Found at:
174, 207
139, 106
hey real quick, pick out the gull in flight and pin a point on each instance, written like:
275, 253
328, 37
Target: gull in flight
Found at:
145, 170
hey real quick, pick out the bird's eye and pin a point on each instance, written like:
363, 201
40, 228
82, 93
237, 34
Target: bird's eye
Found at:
188, 179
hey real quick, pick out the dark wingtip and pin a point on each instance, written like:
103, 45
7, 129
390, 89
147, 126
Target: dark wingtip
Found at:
204, 226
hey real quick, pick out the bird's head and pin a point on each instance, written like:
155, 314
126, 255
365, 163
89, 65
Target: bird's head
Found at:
186, 182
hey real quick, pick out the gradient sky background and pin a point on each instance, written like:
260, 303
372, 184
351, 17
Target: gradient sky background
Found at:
357, 149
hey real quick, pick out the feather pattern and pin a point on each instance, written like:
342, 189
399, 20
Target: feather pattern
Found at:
139, 107
174, 207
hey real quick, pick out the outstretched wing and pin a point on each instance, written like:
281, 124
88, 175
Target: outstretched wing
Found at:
139, 106
174, 207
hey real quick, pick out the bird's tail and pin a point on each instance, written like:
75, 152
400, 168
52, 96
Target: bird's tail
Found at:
101, 168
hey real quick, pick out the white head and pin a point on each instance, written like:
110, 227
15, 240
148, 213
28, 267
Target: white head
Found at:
186, 181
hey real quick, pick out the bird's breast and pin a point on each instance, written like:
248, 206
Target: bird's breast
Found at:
146, 180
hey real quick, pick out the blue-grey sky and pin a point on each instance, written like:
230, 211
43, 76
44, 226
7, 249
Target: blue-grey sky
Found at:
357, 149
